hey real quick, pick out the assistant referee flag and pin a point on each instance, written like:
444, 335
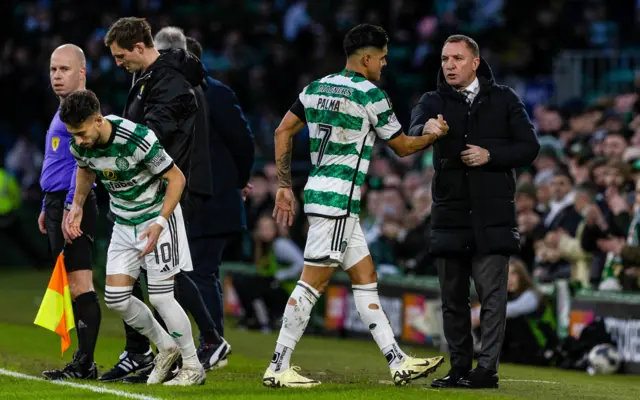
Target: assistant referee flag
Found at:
56, 311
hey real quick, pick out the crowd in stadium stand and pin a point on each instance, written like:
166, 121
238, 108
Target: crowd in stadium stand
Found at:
576, 205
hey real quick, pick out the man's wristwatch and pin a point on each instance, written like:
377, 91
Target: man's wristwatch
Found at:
67, 206
488, 156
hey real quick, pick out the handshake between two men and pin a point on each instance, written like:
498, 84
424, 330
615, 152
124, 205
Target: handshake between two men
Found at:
473, 156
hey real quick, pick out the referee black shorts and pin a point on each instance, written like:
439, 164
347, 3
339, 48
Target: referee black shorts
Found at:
78, 254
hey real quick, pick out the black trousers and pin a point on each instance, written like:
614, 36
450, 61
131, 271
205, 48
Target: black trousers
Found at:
206, 254
490, 274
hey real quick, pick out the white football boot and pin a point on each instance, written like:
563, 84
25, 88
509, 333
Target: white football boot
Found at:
288, 378
414, 368
163, 362
188, 376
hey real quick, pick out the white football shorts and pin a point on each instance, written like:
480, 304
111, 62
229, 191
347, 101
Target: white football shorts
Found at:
170, 256
335, 242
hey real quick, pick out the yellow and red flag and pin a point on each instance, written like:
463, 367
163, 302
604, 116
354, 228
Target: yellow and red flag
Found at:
56, 310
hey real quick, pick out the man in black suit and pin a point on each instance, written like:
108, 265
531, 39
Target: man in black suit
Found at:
474, 229
223, 157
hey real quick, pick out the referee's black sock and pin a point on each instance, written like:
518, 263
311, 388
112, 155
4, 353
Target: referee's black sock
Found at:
87, 317
77, 319
189, 297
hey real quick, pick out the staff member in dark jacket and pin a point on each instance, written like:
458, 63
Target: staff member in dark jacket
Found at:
213, 350
221, 164
474, 229
162, 97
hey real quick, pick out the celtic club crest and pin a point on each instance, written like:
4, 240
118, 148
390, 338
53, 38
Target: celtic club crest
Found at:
122, 164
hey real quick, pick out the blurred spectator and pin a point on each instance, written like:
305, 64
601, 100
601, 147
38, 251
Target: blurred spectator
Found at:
384, 248
10, 225
24, 161
622, 271
414, 240
528, 218
614, 146
560, 216
609, 220
569, 246
260, 200
279, 263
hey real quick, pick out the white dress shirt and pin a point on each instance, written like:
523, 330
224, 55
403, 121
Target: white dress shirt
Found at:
471, 91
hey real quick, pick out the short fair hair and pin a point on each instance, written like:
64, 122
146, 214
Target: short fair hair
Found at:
471, 44
170, 37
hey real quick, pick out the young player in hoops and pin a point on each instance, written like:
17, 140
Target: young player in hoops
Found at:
345, 114
144, 187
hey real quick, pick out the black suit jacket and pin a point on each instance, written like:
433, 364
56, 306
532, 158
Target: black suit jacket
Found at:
222, 170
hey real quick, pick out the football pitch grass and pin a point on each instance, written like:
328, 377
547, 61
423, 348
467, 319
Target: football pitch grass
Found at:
349, 369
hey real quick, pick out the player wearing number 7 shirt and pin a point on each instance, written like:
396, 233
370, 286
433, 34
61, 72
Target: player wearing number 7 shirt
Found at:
144, 188
345, 113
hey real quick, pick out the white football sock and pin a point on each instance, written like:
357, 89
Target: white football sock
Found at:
281, 358
294, 321
137, 315
371, 313
178, 324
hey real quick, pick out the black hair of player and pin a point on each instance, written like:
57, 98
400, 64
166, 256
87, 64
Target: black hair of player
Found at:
78, 107
194, 47
364, 35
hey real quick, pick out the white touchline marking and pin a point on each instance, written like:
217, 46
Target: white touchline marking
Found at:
97, 389
383, 382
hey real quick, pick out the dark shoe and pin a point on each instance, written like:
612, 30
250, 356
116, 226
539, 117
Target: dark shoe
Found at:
129, 363
480, 378
212, 356
140, 377
79, 368
451, 380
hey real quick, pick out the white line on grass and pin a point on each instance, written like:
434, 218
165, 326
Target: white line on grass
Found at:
528, 381
383, 382
97, 389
